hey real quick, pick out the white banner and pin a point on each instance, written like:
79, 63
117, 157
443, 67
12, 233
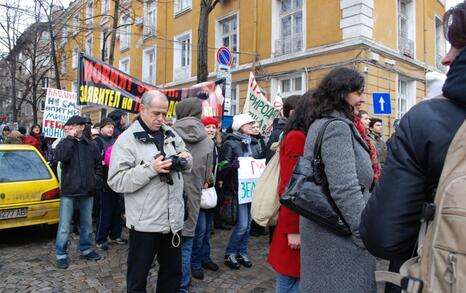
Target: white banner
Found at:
259, 108
249, 171
59, 107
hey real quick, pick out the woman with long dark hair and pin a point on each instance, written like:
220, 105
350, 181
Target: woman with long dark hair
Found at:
331, 262
286, 242
35, 138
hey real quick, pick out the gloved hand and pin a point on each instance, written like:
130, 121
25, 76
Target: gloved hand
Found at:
235, 164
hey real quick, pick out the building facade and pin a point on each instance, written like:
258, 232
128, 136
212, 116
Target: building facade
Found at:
289, 44
29, 65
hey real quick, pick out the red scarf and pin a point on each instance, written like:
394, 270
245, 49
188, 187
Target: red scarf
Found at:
373, 153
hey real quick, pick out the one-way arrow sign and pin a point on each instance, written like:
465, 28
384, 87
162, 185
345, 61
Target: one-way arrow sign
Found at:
382, 103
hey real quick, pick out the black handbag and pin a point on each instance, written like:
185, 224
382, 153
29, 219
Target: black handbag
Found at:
308, 194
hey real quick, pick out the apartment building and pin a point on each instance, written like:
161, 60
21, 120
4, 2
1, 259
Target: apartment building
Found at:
289, 44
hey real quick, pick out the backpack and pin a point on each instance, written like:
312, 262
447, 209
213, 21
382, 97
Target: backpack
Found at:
441, 262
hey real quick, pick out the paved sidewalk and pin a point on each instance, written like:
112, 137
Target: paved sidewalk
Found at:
27, 265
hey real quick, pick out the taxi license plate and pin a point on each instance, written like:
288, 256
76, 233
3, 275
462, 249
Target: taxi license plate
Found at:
13, 213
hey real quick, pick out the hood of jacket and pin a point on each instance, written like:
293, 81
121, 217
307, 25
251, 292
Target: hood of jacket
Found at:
455, 85
191, 107
190, 129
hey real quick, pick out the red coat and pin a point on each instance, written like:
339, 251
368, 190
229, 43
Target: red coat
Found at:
283, 259
32, 140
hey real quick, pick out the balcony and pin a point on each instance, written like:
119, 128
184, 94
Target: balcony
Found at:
149, 31
406, 46
288, 45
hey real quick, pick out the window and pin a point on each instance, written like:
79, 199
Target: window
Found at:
439, 43
406, 96
182, 5
45, 36
182, 56
125, 33
74, 62
103, 113
63, 64
44, 82
22, 166
149, 19
406, 33
75, 24
124, 65
148, 66
228, 35
74, 87
45, 60
104, 43
292, 85
28, 65
105, 6
89, 45
290, 32
89, 12
234, 100
64, 36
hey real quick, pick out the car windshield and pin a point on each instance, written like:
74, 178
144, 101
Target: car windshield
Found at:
22, 166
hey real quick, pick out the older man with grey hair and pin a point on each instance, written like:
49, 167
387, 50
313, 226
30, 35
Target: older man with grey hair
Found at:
146, 165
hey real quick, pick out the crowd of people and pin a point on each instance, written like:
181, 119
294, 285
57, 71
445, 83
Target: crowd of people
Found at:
151, 176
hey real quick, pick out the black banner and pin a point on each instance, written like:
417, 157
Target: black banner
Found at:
103, 84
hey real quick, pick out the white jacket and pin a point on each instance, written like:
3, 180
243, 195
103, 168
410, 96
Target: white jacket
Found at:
151, 205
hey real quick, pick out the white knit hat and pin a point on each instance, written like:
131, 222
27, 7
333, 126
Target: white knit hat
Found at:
434, 83
241, 119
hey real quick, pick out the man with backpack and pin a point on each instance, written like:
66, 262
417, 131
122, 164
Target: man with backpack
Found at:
411, 190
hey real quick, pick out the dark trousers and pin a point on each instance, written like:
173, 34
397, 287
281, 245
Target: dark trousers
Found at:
109, 219
143, 246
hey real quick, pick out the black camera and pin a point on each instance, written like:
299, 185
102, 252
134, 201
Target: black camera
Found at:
178, 164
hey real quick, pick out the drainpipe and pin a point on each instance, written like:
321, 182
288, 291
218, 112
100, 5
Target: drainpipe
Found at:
306, 71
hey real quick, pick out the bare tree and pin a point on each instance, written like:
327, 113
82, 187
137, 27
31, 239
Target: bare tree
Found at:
203, 33
55, 25
34, 61
10, 29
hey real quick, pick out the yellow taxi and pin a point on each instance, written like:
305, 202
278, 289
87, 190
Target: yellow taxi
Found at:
29, 193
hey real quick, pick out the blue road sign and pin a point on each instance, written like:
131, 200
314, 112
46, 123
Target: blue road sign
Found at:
382, 103
224, 56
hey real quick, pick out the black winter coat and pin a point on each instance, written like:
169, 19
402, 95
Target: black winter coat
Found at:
391, 220
232, 149
278, 127
81, 166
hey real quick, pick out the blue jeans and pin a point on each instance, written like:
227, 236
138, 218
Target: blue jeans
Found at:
286, 284
186, 250
201, 244
239, 238
67, 204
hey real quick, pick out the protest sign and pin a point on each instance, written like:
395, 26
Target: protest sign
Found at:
278, 101
103, 84
249, 171
259, 108
59, 107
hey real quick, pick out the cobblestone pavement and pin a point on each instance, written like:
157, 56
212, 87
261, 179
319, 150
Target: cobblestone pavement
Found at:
27, 265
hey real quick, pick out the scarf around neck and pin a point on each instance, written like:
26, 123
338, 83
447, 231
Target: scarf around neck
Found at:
373, 153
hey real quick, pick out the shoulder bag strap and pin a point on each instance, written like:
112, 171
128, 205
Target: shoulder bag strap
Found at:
318, 145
